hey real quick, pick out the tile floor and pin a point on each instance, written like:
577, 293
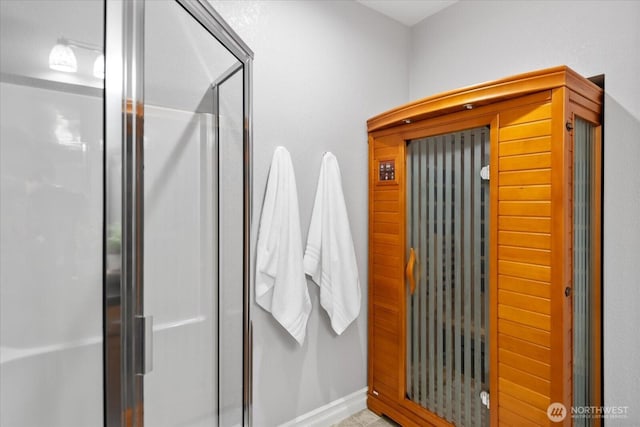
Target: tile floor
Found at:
366, 418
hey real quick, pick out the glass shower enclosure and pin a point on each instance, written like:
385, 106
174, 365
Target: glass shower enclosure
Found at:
124, 215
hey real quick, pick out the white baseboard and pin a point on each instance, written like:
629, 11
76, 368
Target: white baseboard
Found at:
332, 412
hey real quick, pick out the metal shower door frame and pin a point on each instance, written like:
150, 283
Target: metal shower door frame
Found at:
123, 281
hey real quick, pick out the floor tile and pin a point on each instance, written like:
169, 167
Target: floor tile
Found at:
382, 422
365, 417
349, 422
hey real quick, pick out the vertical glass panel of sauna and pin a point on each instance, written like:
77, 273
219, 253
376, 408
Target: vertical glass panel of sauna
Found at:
448, 310
585, 282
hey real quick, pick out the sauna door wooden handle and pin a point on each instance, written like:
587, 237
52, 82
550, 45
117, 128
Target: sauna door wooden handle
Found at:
409, 271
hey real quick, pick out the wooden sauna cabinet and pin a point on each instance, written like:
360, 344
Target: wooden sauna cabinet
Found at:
530, 118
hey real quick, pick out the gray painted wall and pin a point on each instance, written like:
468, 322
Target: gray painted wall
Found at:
475, 41
322, 68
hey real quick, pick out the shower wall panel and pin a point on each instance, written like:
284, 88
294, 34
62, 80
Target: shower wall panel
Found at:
50, 257
180, 282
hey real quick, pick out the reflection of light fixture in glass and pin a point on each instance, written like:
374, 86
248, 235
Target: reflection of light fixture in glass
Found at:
98, 67
62, 58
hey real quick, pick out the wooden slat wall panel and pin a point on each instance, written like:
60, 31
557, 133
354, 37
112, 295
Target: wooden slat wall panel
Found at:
524, 264
526, 317
520, 208
386, 195
524, 394
524, 223
517, 299
539, 417
525, 130
525, 379
386, 228
524, 286
388, 272
518, 330
526, 239
386, 258
524, 270
525, 254
384, 206
526, 146
525, 162
535, 367
535, 176
384, 289
384, 248
525, 114
386, 239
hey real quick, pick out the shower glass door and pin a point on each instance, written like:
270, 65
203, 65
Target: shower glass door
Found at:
193, 222
448, 297
177, 336
228, 105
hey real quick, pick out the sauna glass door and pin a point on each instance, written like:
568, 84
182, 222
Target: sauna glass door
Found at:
447, 342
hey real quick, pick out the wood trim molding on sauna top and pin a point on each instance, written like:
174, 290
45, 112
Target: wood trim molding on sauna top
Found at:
483, 94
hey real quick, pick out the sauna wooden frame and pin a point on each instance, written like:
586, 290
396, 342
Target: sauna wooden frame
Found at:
531, 119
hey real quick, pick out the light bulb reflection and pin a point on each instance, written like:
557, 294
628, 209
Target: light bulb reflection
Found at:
98, 67
62, 58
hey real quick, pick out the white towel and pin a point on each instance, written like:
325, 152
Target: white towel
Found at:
281, 286
330, 257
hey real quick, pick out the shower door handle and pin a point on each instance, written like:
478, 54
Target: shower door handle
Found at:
409, 271
144, 332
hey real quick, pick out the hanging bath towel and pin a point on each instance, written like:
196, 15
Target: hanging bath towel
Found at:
281, 286
330, 257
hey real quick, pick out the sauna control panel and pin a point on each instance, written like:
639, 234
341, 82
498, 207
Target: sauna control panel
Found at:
387, 170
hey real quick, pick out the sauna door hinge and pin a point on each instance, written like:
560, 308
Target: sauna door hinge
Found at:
484, 398
569, 125
484, 173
